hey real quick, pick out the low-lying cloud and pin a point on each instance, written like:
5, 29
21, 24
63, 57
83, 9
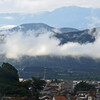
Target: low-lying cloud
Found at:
18, 44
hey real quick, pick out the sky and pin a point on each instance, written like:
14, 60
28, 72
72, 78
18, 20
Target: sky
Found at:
80, 14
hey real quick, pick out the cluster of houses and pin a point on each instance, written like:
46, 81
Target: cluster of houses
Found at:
52, 89
63, 90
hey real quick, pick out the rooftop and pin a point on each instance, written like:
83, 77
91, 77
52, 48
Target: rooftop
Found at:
60, 98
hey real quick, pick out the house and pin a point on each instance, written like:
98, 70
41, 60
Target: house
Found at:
59, 98
53, 85
49, 91
66, 86
82, 95
45, 98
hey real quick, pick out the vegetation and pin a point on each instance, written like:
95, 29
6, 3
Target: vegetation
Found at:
10, 85
57, 67
60, 67
83, 86
75, 37
8, 74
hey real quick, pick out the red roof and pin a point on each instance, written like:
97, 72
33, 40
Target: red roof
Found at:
59, 98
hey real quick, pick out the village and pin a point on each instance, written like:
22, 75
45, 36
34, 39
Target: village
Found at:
64, 90
36, 88
60, 89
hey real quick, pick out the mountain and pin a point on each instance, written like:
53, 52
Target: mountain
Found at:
65, 30
63, 34
83, 68
37, 28
41, 27
57, 66
32, 26
81, 37
71, 16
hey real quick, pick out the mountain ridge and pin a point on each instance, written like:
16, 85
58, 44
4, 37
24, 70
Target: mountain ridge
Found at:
65, 34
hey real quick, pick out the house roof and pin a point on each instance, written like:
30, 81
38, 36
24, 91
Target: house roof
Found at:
45, 97
60, 98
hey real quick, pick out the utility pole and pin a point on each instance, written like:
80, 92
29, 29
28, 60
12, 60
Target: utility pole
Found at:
45, 72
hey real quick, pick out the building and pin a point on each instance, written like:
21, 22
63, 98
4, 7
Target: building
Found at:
68, 86
59, 98
45, 98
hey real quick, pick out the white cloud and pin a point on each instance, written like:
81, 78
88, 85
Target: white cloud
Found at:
4, 27
36, 6
18, 44
8, 18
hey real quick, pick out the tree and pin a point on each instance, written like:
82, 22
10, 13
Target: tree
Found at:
8, 74
83, 86
9, 82
10, 85
37, 86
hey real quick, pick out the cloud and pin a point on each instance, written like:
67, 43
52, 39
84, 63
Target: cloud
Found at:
8, 18
94, 21
19, 44
29, 44
4, 27
36, 6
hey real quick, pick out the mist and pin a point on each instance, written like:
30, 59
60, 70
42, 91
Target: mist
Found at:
18, 44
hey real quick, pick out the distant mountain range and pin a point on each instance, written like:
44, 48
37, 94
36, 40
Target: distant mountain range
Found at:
64, 34
41, 26
59, 67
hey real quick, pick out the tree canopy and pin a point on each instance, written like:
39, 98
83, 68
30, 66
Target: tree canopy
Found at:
10, 85
83, 86
8, 74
